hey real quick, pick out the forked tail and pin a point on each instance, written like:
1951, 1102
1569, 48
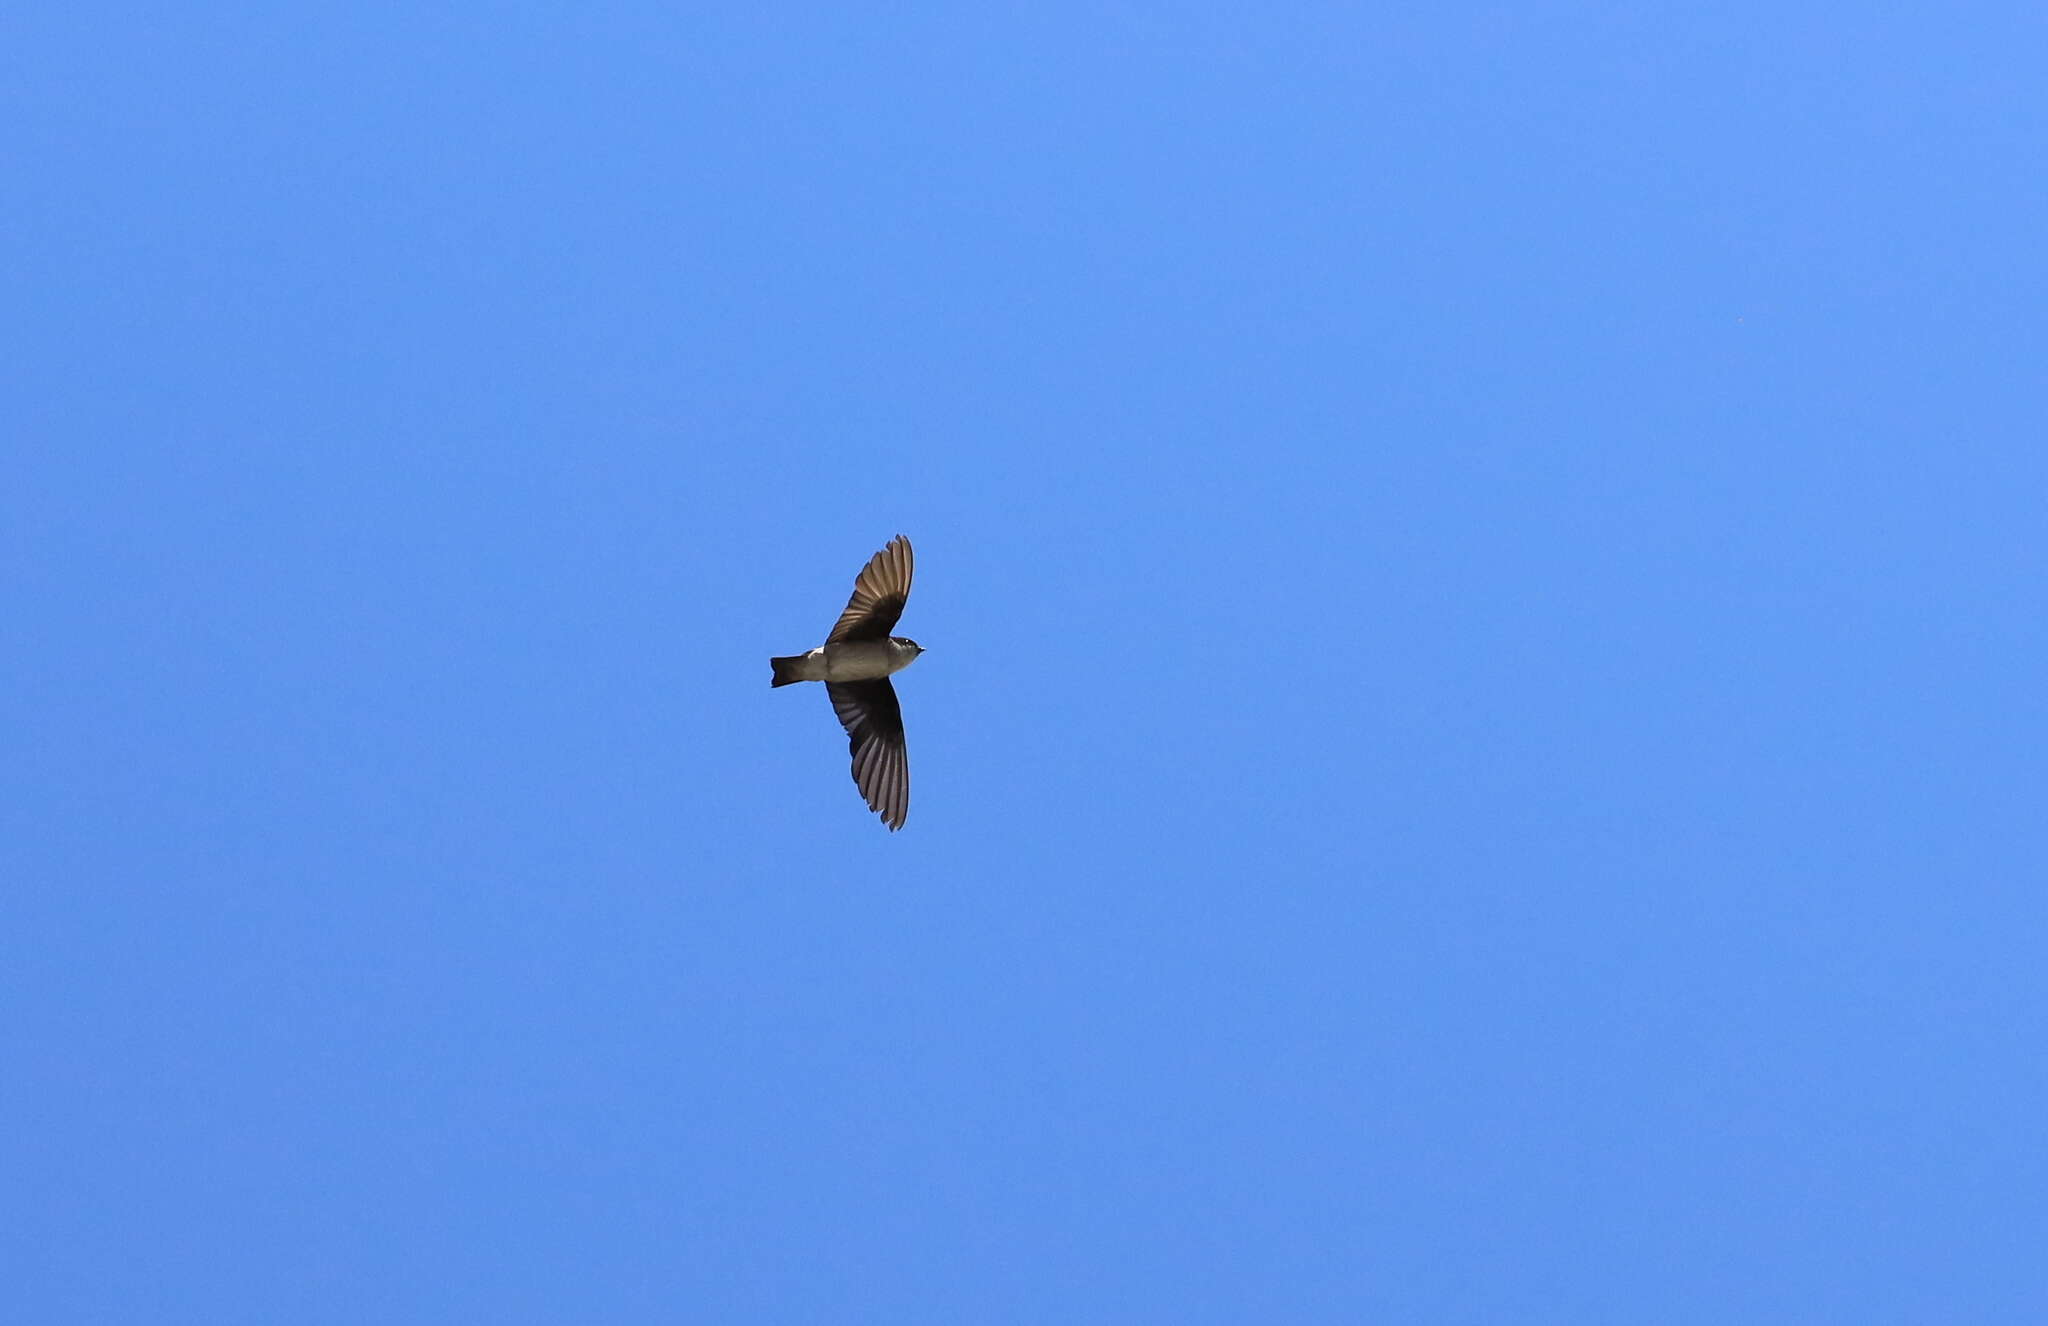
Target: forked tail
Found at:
785, 670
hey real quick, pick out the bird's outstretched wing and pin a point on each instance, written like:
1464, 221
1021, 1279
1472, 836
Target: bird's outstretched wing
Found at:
879, 593
874, 730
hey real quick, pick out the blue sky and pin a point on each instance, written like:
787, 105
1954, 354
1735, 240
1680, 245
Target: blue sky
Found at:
1480, 754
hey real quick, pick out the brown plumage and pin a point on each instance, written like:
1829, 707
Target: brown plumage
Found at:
855, 663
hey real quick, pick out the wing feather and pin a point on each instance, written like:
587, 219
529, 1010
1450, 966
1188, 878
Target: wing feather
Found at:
874, 733
879, 593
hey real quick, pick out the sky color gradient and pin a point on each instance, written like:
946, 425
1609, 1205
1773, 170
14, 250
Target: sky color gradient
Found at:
1480, 751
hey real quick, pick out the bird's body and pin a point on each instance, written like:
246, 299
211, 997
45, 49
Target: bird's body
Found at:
855, 663
849, 660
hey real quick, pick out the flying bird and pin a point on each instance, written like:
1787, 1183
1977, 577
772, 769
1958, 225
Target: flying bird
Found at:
854, 663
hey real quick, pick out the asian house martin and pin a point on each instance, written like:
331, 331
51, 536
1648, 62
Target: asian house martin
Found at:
854, 663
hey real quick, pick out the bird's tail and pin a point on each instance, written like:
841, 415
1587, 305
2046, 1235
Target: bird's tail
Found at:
786, 670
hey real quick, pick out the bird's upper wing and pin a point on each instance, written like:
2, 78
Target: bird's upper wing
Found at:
879, 593
874, 730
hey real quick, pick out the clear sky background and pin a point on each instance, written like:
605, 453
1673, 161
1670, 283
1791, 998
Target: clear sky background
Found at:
1480, 754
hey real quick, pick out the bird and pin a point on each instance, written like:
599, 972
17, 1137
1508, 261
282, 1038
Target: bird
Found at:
855, 663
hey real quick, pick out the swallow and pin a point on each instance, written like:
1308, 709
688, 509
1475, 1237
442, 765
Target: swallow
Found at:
855, 663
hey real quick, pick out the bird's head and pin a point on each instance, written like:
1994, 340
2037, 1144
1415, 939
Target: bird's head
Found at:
905, 645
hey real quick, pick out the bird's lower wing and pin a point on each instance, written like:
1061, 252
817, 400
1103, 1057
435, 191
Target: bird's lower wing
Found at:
874, 730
